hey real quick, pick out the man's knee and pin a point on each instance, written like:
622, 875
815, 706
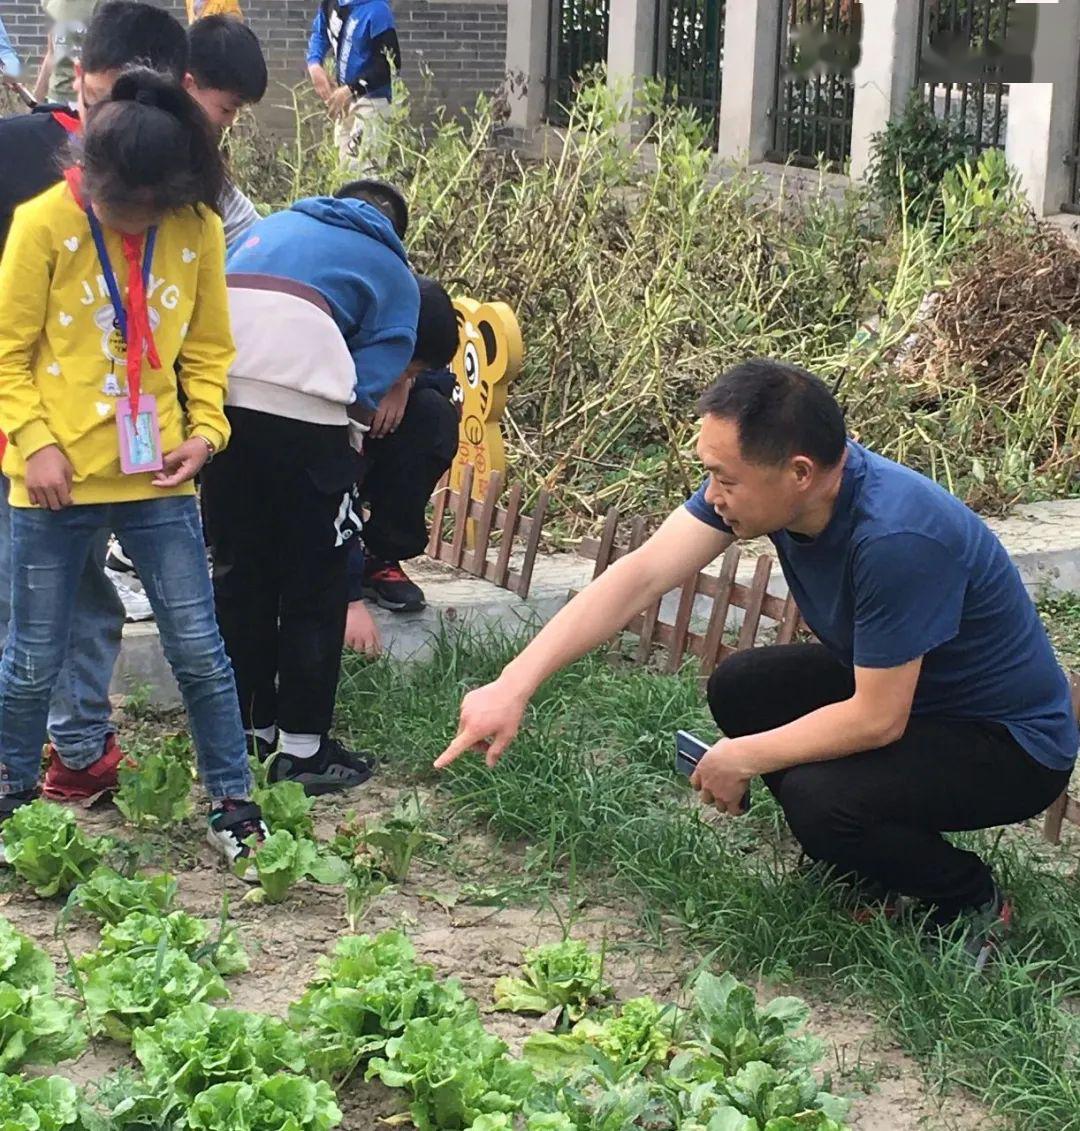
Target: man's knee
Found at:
733, 688
816, 810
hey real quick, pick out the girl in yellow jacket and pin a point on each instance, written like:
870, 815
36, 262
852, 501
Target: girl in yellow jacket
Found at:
113, 282
197, 9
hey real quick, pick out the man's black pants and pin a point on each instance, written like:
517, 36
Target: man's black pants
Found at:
880, 814
279, 510
400, 472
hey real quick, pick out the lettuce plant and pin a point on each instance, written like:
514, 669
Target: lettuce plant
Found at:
273, 1103
109, 897
563, 974
46, 847
282, 860
35, 1026
127, 991
200, 1046
142, 932
155, 789
44, 1103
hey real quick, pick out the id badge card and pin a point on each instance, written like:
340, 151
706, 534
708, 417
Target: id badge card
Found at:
140, 439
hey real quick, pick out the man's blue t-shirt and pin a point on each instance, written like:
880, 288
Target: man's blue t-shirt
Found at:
904, 570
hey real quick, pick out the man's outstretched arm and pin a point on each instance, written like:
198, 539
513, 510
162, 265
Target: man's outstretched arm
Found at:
491, 715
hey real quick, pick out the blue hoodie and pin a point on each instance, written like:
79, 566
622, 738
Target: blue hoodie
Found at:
348, 251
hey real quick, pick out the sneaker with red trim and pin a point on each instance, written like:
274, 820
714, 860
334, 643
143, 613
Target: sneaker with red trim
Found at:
389, 586
64, 784
986, 929
232, 827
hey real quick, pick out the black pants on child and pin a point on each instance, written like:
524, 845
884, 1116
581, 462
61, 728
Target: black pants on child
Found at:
279, 510
880, 814
402, 469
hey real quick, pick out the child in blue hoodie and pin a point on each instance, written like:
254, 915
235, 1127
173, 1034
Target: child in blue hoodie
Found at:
324, 314
361, 39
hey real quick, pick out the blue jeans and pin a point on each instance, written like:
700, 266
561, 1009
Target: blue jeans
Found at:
163, 538
80, 712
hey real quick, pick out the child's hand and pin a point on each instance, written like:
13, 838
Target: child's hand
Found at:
391, 409
339, 102
49, 476
320, 80
361, 631
182, 463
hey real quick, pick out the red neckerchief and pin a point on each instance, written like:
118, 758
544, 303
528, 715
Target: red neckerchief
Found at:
140, 336
70, 122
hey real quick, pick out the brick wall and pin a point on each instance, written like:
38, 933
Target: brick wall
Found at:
452, 50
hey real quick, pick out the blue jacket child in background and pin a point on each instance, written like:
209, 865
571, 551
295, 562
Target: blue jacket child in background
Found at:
361, 39
326, 317
10, 63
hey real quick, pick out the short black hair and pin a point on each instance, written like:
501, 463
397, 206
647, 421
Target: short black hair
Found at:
780, 411
224, 54
437, 333
383, 196
125, 32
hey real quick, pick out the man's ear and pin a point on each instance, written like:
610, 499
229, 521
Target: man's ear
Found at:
190, 85
804, 469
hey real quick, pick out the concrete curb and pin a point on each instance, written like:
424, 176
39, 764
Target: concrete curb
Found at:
1043, 540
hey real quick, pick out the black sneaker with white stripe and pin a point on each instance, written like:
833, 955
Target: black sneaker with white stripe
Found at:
330, 769
231, 825
118, 561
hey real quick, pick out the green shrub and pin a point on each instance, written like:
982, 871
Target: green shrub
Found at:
911, 158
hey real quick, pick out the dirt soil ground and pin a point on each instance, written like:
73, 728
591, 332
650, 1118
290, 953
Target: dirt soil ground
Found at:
470, 914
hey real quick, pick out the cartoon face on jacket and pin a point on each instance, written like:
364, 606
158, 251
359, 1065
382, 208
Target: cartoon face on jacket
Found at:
114, 347
488, 359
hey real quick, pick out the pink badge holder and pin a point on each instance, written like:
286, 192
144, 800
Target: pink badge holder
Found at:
140, 439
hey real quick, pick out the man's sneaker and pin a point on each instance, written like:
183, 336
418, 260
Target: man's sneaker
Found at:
136, 604
388, 585
9, 802
63, 784
331, 769
118, 561
986, 929
230, 825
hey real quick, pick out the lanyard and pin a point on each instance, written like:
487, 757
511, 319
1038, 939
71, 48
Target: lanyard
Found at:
120, 313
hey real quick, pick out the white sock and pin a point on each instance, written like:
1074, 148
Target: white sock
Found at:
299, 745
267, 734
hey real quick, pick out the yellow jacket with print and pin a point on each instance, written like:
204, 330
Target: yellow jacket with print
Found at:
62, 366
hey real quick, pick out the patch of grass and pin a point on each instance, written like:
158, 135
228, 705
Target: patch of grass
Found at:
590, 777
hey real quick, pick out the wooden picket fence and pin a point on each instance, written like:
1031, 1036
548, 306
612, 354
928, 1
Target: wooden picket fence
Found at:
463, 530
725, 592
